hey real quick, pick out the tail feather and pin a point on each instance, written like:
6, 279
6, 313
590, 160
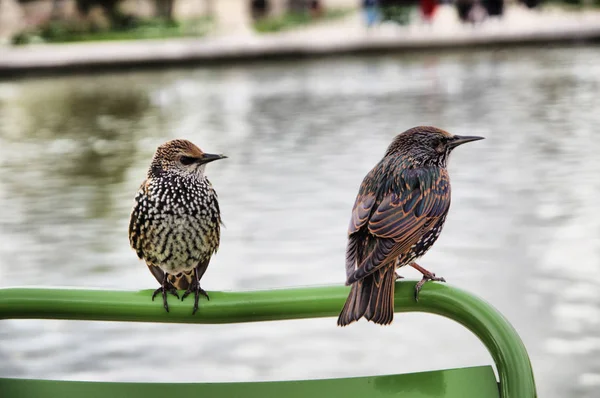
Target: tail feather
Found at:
371, 297
183, 280
381, 304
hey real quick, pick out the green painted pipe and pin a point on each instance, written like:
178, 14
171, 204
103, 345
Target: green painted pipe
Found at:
500, 338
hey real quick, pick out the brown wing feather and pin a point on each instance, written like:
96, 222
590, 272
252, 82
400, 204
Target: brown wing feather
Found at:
158, 273
363, 206
361, 211
351, 254
401, 219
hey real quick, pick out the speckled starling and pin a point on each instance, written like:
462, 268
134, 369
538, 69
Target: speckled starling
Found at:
398, 214
175, 225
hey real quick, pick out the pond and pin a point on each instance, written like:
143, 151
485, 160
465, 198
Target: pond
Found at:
523, 231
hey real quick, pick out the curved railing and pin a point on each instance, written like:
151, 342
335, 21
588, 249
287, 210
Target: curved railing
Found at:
500, 338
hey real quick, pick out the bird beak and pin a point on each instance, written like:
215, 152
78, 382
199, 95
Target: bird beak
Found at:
463, 139
209, 157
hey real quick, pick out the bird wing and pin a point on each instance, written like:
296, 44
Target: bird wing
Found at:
363, 206
361, 211
156, 272
403, 216
136, 222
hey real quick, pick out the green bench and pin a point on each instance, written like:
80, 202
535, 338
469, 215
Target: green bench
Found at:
502, 341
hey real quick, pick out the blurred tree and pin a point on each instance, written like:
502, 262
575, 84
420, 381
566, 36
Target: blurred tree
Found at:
398, 11
316, 8
298, 6
313, 7
164, 9
56, 12
259, 8
111, 10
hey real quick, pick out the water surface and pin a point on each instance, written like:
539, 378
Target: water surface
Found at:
523, 230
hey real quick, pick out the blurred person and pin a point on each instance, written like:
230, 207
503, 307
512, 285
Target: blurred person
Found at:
371, 12
471, 11
494, 8
477, 14
462, 9
428, 8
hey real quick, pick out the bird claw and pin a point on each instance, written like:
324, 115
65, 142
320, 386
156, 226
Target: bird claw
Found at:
426, 278
195, 287
164, 289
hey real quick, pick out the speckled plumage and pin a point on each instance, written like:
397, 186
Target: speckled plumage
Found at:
175, 222
398, 214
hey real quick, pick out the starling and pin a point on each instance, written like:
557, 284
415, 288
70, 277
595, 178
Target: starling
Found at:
175, 225
398, 214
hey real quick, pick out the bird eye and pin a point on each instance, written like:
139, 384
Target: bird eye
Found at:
186, 160
440, 147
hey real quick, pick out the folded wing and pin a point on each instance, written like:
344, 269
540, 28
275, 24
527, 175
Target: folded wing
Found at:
414, 205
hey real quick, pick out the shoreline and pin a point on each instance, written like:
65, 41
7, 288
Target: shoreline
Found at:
86, 57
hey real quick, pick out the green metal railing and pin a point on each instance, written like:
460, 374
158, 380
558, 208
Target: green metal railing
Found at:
496, 333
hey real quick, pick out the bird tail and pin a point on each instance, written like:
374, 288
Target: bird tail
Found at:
183, 280
371, 297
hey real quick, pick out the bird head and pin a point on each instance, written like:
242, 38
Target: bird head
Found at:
180, 157
426, 145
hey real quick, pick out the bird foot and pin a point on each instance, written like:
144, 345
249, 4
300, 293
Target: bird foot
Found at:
427, 276
166, 287
195, 287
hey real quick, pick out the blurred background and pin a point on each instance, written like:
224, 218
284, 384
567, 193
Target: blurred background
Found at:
523, 231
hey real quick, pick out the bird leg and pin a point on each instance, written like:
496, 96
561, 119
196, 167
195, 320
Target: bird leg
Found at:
195, 287
165, 287
427, 276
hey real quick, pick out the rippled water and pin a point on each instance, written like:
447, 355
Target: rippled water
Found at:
523, 231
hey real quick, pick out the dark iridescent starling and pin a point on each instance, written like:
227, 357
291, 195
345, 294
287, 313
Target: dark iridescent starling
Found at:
175, 225
398, 214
